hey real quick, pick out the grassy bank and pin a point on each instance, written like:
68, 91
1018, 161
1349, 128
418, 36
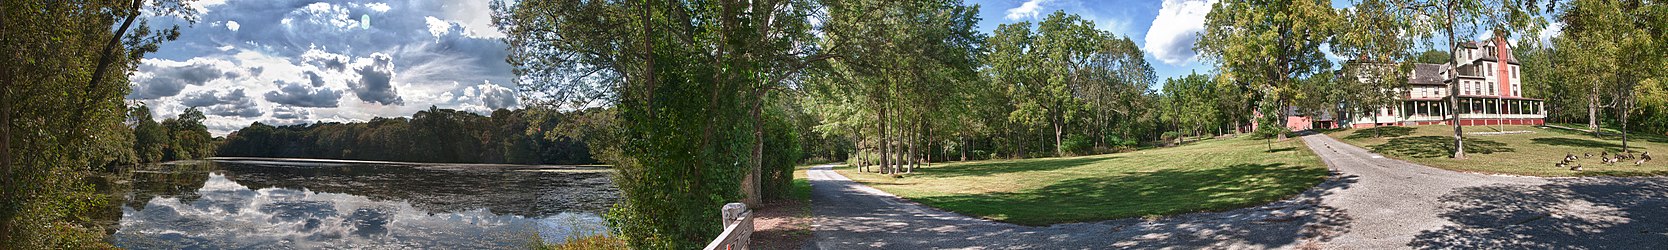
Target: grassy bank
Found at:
1532, 153
1210, 175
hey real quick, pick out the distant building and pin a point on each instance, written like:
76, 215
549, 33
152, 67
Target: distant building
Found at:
1490, 92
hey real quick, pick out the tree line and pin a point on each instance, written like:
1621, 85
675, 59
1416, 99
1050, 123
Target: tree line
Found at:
433, 135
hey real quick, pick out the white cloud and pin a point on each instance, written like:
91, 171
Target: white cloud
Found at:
1553, 30
1175, 29
232, 25
1029, 9
379, 7
437, 27
474, 16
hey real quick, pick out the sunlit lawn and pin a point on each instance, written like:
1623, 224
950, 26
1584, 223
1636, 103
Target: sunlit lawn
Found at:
1517, 154
1211, 175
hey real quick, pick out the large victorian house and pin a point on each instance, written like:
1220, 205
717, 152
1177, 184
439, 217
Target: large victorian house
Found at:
1490, 91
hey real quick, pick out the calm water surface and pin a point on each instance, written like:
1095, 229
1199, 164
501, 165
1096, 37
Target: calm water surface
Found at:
264, 204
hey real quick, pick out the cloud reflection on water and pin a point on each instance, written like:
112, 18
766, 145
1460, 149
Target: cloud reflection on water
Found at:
231, 215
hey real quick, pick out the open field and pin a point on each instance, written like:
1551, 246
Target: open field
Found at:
1210, 175
1531, 153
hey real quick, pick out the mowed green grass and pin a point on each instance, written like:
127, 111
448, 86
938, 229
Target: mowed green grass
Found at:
1531, 154
1211, 175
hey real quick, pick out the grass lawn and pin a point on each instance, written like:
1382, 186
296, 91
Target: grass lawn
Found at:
1211, 175
1517, 154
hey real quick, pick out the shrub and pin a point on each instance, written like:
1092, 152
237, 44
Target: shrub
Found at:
1077, 145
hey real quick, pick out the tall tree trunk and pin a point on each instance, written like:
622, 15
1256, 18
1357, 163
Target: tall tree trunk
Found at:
750, 183
1593, 112
964, 146
914, 156
880, 123
1058, 151
1453, 89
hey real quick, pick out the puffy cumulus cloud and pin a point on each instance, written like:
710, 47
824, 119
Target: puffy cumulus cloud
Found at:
482, 98
234, 103
315, 79
164, 78
438, 27
376, 81
326, 60
1028, 9
290, 114
299, 95
200, 99
1176, 29
316, 49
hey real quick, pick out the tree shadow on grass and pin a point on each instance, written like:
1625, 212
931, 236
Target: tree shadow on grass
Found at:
1256, 203
1162, 192
1584, 143
1437, 146
1277, 150
1387, 131
1574, 213
1292, 221
1002, 167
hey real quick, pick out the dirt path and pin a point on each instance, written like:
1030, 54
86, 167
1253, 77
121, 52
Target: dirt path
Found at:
1370, 202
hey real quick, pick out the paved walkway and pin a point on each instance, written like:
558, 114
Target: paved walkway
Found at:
1370, 202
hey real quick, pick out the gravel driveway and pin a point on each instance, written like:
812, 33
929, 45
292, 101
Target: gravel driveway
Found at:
1370, 202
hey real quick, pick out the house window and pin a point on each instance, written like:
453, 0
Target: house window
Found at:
1514, 72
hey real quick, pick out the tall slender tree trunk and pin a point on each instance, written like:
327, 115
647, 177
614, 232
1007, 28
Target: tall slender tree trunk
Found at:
750, 183
914, 156
880, 123
1058, 151
964, 146
1593, 112
1453, 88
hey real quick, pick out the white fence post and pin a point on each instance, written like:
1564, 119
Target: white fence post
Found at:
738, 228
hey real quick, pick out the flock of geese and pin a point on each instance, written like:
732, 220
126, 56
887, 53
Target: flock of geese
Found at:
1605, 158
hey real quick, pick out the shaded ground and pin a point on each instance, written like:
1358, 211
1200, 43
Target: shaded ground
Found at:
1569, 213
781, 225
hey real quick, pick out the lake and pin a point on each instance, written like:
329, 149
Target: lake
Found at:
310, 204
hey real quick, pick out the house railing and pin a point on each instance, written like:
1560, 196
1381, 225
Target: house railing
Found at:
738, 228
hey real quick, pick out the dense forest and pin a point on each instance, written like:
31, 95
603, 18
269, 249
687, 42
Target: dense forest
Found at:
433, 135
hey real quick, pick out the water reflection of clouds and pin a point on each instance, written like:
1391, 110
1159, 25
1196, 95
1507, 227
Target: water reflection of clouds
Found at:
230, 215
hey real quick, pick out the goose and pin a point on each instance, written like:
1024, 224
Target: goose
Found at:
1577, 167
